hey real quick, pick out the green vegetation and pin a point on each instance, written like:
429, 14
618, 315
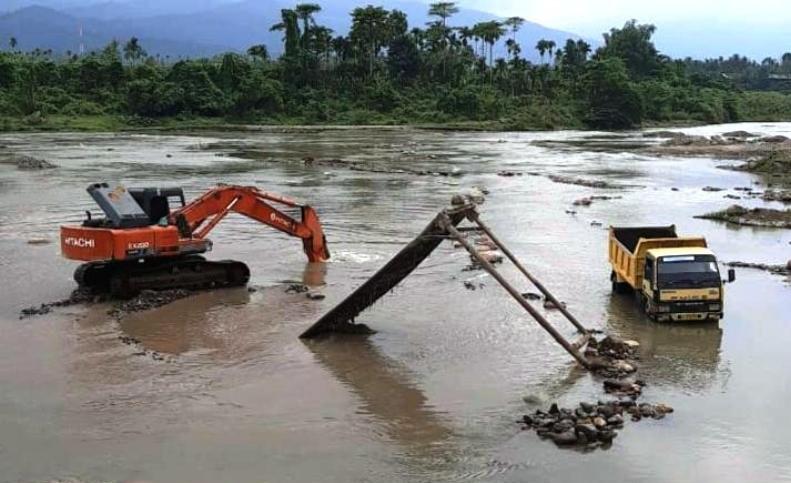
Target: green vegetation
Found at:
382, 72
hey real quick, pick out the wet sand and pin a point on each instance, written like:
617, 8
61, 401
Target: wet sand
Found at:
434, 395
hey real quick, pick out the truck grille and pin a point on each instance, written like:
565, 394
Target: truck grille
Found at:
689, 306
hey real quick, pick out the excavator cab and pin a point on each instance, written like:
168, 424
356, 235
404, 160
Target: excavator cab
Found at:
132, 208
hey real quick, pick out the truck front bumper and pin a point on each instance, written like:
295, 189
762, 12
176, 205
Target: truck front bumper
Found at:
688, 311
689, 316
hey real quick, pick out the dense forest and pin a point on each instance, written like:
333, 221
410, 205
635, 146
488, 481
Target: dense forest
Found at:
384, 72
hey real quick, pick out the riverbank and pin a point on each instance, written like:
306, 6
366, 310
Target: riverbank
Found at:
370, 120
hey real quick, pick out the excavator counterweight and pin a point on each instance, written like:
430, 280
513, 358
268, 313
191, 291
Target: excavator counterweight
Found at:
142, 243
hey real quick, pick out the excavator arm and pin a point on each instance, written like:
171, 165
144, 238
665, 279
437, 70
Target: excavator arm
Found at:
196, 219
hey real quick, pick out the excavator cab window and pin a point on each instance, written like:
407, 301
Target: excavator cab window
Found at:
155, 202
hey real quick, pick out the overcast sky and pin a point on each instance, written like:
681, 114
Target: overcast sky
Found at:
591, 17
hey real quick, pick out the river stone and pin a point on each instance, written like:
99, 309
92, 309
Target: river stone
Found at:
563, 426
606, 411
623, 366
565, 439
739, 134
663, 408
615, 420
774, 139
607, 436
554, 409
589, 430
599, 422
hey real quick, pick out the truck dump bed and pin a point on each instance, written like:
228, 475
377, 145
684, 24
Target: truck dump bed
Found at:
628, 247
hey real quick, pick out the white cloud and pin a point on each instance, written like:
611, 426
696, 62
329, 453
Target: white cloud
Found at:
595, 16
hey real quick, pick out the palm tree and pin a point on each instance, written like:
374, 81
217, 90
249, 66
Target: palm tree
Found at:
305, 13
542, 48
551, 47
465, 34
515, 23
443, 10
288, 25
492, 31
133, 51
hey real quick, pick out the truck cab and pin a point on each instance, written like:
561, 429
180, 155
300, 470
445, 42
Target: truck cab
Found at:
682, 284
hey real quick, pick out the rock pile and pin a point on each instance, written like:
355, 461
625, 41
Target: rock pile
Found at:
78, 296
29, 163
589, 425
581, 182
740, 215
592, 425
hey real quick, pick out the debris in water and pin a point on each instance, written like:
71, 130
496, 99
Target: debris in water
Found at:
774, 269
39, 241
550, 305
508, 174
297, 288
581, 182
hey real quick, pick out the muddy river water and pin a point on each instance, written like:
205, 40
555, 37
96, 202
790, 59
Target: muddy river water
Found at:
432, 396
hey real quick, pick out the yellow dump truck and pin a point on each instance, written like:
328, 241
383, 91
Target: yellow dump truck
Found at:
674, 278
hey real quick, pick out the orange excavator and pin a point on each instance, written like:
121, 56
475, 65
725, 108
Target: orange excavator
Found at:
143, 244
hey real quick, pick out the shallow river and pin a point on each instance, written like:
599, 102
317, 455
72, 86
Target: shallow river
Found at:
435, 393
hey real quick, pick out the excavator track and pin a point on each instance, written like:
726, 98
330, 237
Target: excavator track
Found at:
127, 279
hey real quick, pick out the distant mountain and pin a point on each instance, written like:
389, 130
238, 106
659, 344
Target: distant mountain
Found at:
45, 28
204, 27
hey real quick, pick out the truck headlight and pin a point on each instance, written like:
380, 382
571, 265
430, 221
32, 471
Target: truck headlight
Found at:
715, 307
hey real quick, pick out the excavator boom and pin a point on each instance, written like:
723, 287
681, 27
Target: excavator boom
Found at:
203, 214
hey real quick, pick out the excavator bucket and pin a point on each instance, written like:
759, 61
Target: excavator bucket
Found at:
315, 246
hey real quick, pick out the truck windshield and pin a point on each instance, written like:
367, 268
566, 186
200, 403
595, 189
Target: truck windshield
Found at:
689, 271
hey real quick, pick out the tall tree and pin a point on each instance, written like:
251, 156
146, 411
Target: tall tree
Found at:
12, 43
289, 26
369, 32
305, 13
632, 44
133, 51
542, 47
492, 32
443, 10
515, 23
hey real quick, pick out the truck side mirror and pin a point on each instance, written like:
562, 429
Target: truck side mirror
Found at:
731, 275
